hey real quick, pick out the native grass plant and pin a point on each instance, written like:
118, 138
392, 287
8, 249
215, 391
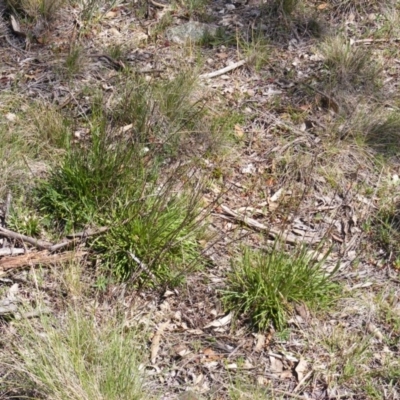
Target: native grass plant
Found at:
285, 7
349, 66
73, 62
23, 219
77, 357
124, 179
169, 117
384, 228
265, 286
114, 186
20, 150
37, 9
52, 129
93, 10
358, 6
375, 127
194, 7
255, 48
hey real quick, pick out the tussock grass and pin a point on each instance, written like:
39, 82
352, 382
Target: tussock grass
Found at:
134, 181
20, 149
384, 227
37, 9
265, 286
77, 357
256, 48
350, 67
373, 126
360, 6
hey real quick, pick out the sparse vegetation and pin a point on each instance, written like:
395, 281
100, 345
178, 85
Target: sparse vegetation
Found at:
230, 237
36, 9
349, 66
266, 286
80, 357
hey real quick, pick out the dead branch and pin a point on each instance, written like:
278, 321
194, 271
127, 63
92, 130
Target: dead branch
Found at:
159, 4
142, 267
371, 41
273, 232
64, 245
42, 257
88, 232
223, 70
40, 244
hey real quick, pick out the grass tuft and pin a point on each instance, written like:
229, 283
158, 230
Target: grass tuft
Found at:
37, 9
123, 178
265, 286
78, 357
350, 67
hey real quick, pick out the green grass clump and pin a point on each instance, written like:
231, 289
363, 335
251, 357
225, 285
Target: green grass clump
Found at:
111, 184
123, 179
265, 286
350, 67
153, 237
384, 228
76, 357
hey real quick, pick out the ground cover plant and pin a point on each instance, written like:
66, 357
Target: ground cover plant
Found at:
199, 220
85, 358
266, 286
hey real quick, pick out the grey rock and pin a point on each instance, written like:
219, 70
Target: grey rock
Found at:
8, 306
191, 32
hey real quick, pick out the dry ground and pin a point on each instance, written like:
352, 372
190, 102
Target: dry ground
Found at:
311, 156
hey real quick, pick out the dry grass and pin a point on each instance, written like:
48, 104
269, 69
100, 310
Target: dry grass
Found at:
76, 357
350, 67
248, 139
37, 9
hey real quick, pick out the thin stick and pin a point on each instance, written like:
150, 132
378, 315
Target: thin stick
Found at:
6, 214
142, 267
88, 232
40, 244
224, 70
63, 245
159, 4
369, 41
43, 258
301, 382
275, 233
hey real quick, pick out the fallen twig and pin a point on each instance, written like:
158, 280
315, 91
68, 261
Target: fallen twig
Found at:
63, 245
275, 233
88, 232
40, 244
76, 238
155, 3
43, 258
142, 267
370, 41
223, 70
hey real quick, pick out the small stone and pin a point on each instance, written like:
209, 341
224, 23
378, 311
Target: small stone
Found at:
192, 32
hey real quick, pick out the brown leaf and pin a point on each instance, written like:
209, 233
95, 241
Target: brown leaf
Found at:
155, 344
322, 6
260, 343
276, 364
300, 369
239, 132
